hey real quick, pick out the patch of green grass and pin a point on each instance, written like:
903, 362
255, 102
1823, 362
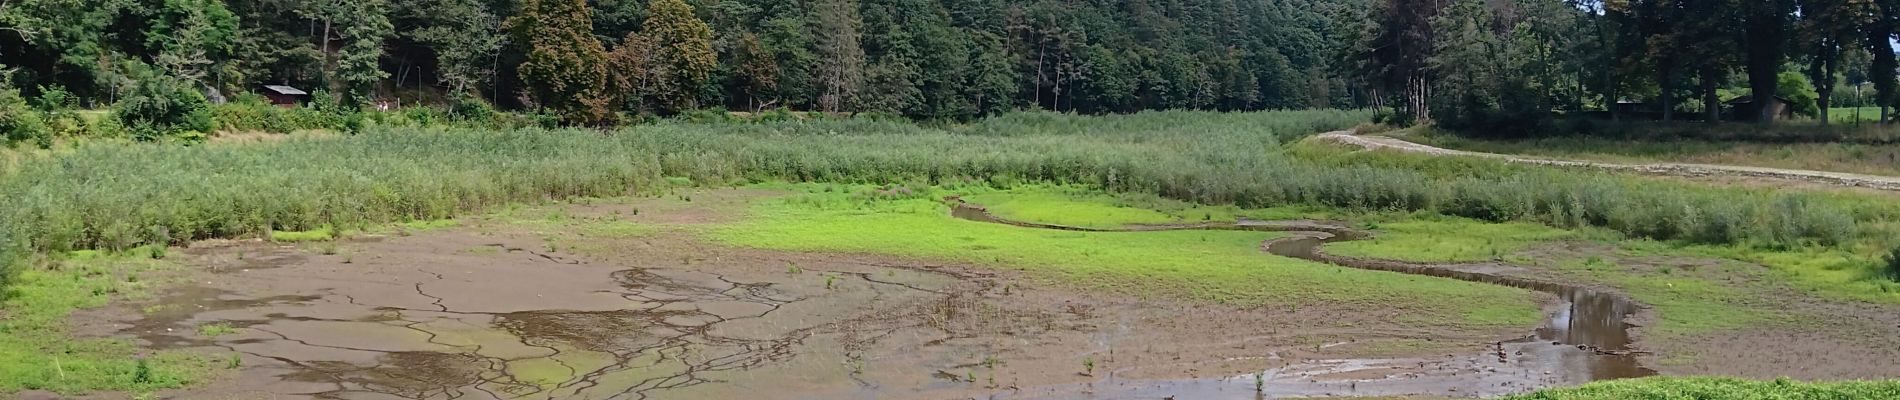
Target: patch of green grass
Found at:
1213, 266
36, 351
215, 330
1692, 306
1061, 209
1434, 238
1090, 208
318, 235
1671, 388
1829, 272
1686, 305
1854, 114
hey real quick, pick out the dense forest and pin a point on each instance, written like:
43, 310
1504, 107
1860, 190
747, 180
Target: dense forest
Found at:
586, 60
1479, 64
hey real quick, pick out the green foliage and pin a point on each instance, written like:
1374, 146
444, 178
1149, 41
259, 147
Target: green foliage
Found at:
253, 114
190, 36
162, 107
465, 36
1892, 265
682, 57
365, 27
566, 67
18, 121
38, 352
54, 99
1491, 81
1800, 91
470, 108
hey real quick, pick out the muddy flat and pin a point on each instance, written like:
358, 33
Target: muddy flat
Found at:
626, 301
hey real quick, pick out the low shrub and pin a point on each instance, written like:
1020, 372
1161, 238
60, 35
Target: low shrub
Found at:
1891, 265
161, 107
20, 122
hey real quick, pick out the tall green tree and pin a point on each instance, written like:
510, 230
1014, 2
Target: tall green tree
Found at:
683, 58
190, 36
757, 72
465, 37
1766, 24
840, 59
1829, 27
1880, 33
565, 66
359, 62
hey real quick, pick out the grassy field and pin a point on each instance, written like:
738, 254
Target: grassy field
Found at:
1146, 168
1718, 388
1686, 304
37, 352
1873, 159
1854, 114
1218, 266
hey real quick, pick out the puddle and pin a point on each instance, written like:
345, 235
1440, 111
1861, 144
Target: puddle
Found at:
1585, 338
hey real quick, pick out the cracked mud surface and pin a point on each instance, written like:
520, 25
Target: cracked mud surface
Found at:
496, 310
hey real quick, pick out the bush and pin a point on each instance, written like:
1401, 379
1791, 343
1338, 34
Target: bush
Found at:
19, 122
468, 108
55, 98
162, 107
1892, 268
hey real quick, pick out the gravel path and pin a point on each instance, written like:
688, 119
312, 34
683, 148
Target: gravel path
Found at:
1692, 170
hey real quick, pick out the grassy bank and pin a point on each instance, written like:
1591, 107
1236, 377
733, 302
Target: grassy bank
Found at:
1718, 388
1686, 303
1872, 159
38, 352
1217, 266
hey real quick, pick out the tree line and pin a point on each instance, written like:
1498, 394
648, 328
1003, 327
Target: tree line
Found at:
1508, 65
594, 61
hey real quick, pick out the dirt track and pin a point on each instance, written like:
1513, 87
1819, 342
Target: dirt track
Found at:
1671, 169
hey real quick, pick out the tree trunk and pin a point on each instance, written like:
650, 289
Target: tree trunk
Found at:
1711, 104
1879, 37
1764, 40
1824, 59
1666, 79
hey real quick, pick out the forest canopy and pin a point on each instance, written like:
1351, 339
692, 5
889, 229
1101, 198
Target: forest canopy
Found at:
1497, 65
584, 60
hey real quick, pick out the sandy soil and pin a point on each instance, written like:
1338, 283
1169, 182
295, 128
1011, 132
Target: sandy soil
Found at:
1837, 179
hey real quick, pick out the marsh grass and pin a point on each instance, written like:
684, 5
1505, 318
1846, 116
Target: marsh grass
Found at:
117, 196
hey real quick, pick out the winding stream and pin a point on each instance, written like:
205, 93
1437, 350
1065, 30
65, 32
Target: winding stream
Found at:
1585, 338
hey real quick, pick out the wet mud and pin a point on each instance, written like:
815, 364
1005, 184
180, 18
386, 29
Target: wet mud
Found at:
489, 311
1585, 338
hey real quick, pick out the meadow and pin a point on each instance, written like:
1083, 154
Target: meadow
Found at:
119, 196
1839, 156
1104, 171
